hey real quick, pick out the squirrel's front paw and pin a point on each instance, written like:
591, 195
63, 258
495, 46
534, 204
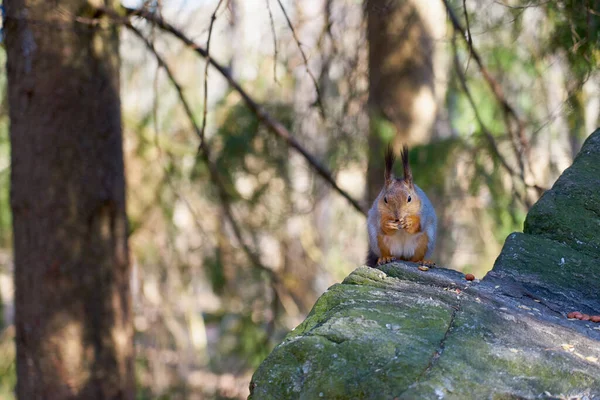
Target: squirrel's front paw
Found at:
410, 224
391, 226
385, 260
405, 223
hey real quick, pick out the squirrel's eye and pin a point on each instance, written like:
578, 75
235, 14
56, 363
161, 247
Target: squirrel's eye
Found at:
409, 199
385, 199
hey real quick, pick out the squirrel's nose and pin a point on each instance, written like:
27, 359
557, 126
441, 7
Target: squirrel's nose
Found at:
397, 220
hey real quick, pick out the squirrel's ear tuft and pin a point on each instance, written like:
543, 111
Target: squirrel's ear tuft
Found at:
408, 178
389, 164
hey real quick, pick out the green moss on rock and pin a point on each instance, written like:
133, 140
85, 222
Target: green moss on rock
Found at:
355, 333
570, 212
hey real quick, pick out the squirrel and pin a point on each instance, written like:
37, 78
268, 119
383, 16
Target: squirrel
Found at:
401, 222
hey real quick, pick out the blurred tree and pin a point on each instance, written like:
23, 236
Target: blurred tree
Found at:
73, 307
402, 106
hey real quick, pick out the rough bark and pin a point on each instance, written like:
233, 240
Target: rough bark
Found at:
402, 333
72, 300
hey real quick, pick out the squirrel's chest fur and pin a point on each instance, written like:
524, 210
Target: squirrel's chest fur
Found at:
403, 244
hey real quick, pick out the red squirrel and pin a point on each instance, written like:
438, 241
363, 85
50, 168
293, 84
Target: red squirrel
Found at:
401, 222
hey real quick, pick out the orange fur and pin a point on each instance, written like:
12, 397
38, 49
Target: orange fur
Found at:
421, 249
411, 223
386, 255
388, 223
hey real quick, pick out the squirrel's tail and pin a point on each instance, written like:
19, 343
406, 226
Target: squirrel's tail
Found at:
371, 259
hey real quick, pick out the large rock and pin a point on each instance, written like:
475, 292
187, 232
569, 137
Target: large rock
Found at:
399, 332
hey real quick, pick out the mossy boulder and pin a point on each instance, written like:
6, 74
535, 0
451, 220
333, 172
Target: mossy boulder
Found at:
401, 333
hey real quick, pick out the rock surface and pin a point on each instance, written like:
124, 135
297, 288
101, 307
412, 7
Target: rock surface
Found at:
401, 333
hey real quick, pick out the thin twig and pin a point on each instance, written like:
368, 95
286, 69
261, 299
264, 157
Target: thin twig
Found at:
468, 28
492, 83
276, 283
155, 100
275, 51
213, 18
215, 177
486, 132
299, 44
530, 5
270, 122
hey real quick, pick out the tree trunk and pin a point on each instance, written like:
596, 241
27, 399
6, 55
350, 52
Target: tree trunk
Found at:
72, 300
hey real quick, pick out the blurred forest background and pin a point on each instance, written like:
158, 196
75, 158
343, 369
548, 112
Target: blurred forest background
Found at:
232, 241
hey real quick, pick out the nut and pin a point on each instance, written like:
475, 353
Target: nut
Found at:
585, 317
470, 277
423, 268
572, 315
595, 318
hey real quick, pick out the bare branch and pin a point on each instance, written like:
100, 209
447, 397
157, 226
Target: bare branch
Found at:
469, 37
205, 105
299, 44
492, 83
486, 132
275, 52
271, 123
510, 113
